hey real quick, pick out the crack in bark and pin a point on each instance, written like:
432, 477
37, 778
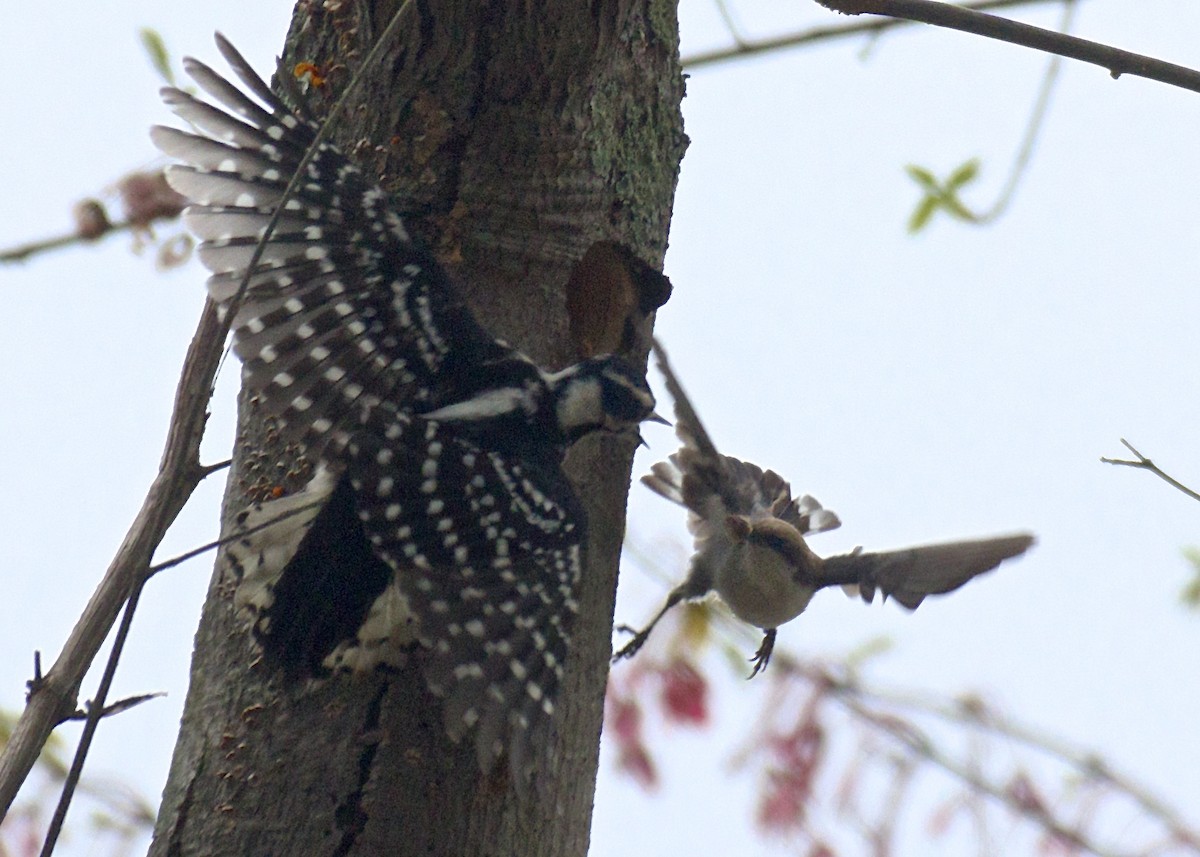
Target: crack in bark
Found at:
482, 50
350, 815
175, 846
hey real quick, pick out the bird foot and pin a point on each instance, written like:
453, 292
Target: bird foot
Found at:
763, 656
631, 648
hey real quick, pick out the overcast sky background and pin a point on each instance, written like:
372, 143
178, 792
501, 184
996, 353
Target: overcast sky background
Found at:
964, 382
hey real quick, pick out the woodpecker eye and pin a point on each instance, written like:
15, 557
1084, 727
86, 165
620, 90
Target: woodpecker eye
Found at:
626, 397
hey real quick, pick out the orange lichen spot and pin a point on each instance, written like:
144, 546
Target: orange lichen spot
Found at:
309, 73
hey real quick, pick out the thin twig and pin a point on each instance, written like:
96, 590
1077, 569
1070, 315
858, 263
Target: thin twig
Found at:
24, 251
119, 706
752, 47
730, 24
232, 537
207, 470
96, 711
1034, 126
53, 697
1117, 61
1145, 463
179, 473
923, 748
972, 712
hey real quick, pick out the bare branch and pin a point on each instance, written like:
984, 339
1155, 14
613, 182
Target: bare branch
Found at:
239, 533
121, 705
1033, 128
179, 473
923, 748
145, 198
730, 24
96, 711
53, 698
752, 47
973, 712
1145, 463
22, 252
1117, 61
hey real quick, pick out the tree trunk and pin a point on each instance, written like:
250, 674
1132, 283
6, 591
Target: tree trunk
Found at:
517, 135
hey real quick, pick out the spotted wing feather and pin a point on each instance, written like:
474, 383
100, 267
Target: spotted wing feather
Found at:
343, 309
488, 552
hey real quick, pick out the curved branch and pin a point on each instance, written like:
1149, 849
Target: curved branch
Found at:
1033, 127
743, 47
1117, 61
53, 699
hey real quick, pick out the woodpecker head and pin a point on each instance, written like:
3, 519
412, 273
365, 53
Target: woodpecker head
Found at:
600, 394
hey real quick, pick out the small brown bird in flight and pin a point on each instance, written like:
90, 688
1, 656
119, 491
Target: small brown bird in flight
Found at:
750, 547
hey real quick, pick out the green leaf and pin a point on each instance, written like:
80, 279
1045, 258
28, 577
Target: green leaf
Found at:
920, 217
942, 195
924, 178
156, 49
963, 175
956, 208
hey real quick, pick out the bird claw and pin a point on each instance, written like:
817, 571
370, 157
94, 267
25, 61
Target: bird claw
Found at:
763, 656
631, 648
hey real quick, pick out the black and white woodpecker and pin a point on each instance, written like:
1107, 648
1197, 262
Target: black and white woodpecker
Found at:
750, 546
439, 520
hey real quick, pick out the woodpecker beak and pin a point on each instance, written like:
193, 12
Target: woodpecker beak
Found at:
655, 418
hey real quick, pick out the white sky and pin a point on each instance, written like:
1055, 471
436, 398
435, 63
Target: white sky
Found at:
961, 383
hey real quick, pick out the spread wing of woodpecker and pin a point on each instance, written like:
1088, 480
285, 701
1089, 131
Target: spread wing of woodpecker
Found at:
344, 309
911, 574
439, 513
493, 553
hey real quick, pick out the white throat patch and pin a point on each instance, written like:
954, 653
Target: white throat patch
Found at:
580, 404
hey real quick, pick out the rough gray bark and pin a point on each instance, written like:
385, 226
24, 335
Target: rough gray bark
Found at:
520, 134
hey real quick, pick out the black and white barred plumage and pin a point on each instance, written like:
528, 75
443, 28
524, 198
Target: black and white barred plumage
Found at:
344, 309
439, 511
491, 547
